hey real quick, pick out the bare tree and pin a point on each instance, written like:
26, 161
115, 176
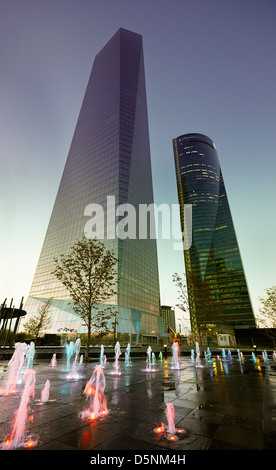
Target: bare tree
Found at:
267, 313
210, 316
182, 293
39, 322
88, 273
268, 310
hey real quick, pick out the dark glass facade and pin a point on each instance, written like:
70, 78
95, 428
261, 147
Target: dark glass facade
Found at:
168, 315
217, 287
109, 156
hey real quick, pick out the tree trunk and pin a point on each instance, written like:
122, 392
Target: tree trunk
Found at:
86, 357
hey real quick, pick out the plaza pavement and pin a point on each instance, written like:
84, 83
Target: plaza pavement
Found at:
223, 405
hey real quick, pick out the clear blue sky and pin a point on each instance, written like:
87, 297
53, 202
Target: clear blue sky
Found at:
210, 68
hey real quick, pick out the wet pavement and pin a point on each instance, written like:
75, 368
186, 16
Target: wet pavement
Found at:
222, 405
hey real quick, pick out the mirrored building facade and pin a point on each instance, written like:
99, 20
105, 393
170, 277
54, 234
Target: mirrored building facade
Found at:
217, 288
109, 156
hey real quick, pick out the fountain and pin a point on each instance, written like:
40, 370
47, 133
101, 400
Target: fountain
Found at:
223, 354
45, 392
102, 357
53, 361
149, 363
149, 358
224, 366
254, 357
274, 355
229, 355
208, 355
160, 356
192, 355
116, 367
15, 366
69, 352
175, 361
95, 391
264, 355
17, 437
198, 360
127, 356
170, 430
30, 356
74, 373
170, 418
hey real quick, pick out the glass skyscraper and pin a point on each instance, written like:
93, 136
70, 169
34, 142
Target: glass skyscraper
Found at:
217, 288
109, 156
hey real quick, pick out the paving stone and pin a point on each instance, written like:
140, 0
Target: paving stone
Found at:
221, 406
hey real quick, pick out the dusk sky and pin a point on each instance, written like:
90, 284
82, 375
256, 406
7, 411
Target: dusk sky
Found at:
210, 68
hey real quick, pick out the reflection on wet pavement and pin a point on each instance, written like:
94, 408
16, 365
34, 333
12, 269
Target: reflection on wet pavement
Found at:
225, 404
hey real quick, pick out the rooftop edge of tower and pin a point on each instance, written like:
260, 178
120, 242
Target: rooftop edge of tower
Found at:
120, 33
196, 137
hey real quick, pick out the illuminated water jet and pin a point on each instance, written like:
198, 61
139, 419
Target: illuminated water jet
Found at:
45, 392
116, 367
127, 356
198, 360
53, 361
15, 367
264, 355
29, 360
70, 349
176, 352
102, 357
74, 373
149, 364
208, 355
17, 436
94, 391
170, 431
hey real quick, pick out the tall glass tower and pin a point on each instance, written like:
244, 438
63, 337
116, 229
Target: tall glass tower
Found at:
109, 156
217, 289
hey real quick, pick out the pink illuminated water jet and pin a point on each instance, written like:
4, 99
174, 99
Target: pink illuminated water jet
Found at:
45, 392
170, 430
54, 361
15, 366
94, 391
160, 429
17, 436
